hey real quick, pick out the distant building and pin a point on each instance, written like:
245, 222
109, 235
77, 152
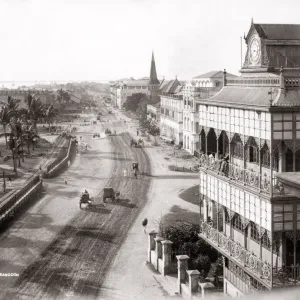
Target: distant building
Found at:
153, 113
171, 110
200, 87
124, 88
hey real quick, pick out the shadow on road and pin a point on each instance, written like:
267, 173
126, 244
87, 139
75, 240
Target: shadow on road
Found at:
97, 209
124, 203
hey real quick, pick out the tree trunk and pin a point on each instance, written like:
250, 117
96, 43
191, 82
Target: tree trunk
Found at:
28, 148
49, 127
4, 126
22, 152
19, 156
14, 163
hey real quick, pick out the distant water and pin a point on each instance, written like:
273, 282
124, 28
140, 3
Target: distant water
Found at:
17, 84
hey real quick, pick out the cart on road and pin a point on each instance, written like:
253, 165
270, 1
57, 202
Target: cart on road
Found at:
109, 193
85, 198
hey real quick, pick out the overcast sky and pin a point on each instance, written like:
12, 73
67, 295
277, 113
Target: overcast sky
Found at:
111, 39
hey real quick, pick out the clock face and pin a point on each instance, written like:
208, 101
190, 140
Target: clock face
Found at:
254, 51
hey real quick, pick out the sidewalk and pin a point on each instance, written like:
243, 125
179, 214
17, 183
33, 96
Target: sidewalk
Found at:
130, 277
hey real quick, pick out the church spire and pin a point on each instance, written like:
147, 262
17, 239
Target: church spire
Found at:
153, 75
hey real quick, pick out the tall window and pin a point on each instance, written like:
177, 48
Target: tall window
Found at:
265, 155
253, 154
238, 150
237, 223
254, 232
266, 241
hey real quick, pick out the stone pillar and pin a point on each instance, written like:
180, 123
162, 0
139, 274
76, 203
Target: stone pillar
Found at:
166, 256
193, 280
158, 246
151, 243
182, 263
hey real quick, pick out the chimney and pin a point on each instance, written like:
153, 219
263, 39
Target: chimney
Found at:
224, 78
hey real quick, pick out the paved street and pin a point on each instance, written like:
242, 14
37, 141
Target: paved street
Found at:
60, 251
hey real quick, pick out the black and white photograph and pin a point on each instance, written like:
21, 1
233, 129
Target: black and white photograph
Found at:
149, 149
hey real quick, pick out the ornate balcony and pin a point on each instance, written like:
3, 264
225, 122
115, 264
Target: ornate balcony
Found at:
244, 176
248, 260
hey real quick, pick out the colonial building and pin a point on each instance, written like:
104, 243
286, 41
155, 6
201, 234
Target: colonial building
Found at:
171, 111
121, 89
153, 113
202, 86
250, 140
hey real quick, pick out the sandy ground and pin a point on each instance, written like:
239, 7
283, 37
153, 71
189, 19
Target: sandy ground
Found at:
129, 276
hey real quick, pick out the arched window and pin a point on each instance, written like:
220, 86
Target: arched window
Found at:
237, 223
266, 241
254, 234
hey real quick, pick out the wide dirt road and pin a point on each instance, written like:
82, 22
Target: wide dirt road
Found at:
62, 252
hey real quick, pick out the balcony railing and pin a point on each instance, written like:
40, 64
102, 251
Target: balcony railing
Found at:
233, 249
286, 275
237, 173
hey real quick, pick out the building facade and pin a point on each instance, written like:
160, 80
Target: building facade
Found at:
124, 88
171, 111
153, 113
250, 138
200, 87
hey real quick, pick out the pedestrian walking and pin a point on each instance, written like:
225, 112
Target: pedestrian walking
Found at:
69, 163
137, 132
125, 173
9, 181
145, 223
66, 180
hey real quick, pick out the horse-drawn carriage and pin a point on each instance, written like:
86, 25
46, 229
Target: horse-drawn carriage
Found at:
109, 193
137, 143
96, 135
107, 131
85, 198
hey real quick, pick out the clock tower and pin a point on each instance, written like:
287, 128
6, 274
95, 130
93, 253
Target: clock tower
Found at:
272, 46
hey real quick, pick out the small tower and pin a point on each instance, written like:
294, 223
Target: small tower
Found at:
153, 82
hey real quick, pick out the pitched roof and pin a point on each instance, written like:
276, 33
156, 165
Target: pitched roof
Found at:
214, 74
171, 86
278, 31
242, 96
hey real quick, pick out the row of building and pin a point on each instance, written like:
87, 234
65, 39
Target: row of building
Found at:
245, 130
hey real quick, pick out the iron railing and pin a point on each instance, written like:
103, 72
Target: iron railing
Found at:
235, 172
233, 249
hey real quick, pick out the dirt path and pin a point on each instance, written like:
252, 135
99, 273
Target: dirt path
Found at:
73, 265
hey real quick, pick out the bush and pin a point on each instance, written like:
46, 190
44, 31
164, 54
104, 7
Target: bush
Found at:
202, 263
185, 238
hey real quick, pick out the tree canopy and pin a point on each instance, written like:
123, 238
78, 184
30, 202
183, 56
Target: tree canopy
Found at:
132, 103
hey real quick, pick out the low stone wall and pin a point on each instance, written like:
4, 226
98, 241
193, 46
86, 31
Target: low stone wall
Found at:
61, 162
160, 256
14, 200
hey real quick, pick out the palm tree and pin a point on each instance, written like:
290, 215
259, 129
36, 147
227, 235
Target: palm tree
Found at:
50, 114
29, 135
8, 110
35, 109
